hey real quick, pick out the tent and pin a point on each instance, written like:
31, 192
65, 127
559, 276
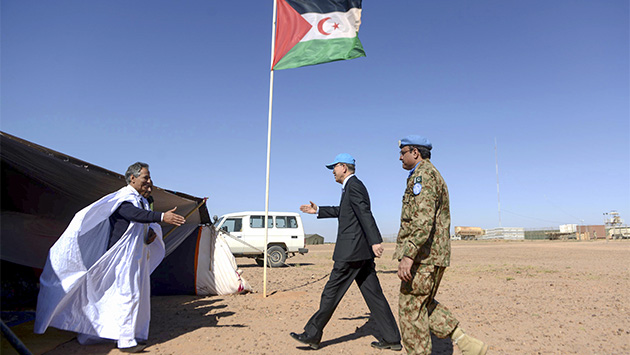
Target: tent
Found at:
42, 190
314, 239
202, 265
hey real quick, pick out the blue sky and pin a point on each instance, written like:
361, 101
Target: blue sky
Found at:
184, 86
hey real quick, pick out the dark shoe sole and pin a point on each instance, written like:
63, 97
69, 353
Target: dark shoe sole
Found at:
394, 347
311, 345
134, 349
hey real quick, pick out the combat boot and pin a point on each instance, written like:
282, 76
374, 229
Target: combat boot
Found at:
467, 344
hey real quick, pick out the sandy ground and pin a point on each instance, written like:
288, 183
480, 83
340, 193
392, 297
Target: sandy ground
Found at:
521, 297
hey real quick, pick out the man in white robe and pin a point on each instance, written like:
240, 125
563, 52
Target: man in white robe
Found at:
101, 292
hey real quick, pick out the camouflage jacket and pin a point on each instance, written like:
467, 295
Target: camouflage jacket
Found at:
425, 220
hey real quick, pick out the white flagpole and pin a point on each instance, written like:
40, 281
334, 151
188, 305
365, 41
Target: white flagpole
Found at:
273, 45
496, 159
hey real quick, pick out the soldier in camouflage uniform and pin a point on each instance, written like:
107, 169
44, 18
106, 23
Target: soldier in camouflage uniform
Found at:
423, 248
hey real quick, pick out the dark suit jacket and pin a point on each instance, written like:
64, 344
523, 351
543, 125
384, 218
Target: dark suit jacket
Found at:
357, 230
126, 212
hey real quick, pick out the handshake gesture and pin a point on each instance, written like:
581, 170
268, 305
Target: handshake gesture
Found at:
312, 208
173, 218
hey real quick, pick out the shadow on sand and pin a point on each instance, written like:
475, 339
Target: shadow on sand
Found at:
188, 312
191, 312
370, 329
254, 265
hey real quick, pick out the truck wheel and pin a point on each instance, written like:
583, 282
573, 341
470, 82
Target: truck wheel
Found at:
260, 261
276, 256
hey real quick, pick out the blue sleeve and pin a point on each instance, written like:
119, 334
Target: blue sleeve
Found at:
135, 214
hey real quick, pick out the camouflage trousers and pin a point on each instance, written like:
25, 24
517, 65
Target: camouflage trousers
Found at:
419, 313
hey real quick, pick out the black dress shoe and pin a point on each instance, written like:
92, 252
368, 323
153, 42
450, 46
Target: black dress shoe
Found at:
304, 339
134, 349
385, 345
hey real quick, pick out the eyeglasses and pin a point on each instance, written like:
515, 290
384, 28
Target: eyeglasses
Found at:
403, 152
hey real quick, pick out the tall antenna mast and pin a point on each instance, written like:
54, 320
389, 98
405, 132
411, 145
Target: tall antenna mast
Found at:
496, 159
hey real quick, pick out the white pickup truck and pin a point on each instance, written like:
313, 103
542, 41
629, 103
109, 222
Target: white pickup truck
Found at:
245, 235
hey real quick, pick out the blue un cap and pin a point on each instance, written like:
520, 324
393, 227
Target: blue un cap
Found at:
415, 140
341, 158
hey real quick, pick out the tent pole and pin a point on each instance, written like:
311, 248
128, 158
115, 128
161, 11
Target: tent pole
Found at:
188, 215
273, 43
15, 342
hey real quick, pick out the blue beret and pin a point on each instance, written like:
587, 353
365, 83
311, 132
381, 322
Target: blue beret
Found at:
341, 158
415, 140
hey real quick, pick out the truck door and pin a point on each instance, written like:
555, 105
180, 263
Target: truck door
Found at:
234, 226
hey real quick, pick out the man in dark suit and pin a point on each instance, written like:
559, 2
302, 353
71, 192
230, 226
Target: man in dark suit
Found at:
358, 242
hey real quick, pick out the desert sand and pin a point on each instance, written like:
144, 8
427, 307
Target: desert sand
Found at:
520, 297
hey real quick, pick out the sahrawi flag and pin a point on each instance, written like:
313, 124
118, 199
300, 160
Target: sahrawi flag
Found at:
316, 31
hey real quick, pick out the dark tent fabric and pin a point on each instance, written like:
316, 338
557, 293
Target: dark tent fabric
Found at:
42, 190
176, 273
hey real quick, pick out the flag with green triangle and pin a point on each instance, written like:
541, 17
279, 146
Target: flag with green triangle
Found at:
316, 31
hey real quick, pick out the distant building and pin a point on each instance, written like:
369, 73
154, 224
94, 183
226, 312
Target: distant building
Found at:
389, 238
311, 239
512, 233
542, 233
568, 228
591, 232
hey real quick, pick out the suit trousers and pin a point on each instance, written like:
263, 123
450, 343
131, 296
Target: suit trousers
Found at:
341, 277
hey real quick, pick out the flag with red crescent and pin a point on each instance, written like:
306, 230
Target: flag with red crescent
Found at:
316, 31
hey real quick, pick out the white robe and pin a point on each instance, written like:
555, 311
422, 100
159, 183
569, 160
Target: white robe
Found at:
88, 289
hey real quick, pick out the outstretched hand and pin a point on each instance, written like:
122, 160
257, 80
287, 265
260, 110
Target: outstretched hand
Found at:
312, 208
173, 218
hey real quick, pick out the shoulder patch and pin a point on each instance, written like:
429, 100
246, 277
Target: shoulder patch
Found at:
417, 188
418, 180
